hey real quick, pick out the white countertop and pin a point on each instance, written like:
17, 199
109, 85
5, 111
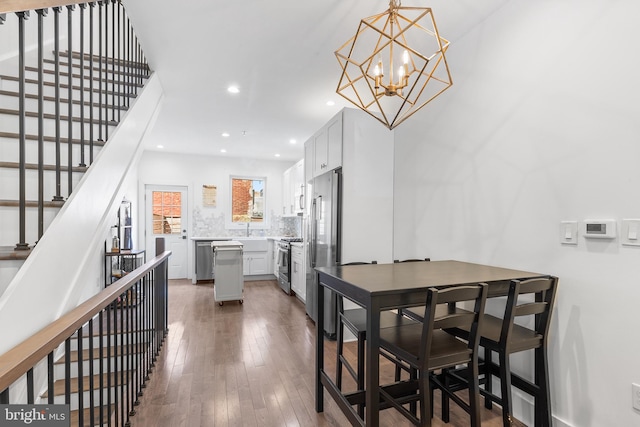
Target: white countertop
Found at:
215, 238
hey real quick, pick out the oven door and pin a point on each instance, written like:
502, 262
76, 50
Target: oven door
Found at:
283, 262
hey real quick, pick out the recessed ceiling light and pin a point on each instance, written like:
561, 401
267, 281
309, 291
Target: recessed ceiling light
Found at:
225, 134
223, 151
277, 155
292, 141
330, 103
160, 146
233, 89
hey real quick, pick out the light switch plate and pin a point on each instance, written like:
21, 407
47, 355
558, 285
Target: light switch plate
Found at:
630, 232
569, 232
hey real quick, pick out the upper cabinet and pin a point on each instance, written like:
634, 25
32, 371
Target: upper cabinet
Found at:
293, 189
323, 151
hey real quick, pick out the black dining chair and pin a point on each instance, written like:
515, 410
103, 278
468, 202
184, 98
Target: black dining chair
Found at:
426, 348
355, 320
505, 337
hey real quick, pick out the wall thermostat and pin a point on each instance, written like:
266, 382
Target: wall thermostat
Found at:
600, 228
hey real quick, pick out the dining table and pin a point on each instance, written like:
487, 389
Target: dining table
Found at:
378, 287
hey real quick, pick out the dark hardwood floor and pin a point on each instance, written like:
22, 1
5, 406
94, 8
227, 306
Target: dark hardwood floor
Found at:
248, 364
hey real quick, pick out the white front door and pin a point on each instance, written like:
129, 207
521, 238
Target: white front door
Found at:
166, 216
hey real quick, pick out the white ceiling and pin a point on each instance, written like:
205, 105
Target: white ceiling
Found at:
281, 55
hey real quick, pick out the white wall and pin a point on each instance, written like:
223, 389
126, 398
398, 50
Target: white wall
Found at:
192, 171
540, 126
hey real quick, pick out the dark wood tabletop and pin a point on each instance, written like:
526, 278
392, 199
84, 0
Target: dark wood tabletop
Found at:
378, 287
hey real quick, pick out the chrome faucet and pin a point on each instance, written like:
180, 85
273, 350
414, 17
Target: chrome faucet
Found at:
248, 228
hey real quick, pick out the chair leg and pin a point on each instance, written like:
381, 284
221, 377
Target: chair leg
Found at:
505, 388
543, 399
488, 377
474, 394
445, 396
424, 389
339, 349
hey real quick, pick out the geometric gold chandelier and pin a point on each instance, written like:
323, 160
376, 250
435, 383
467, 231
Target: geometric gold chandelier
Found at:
395, 64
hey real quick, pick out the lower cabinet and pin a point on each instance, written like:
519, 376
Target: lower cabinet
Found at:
255, 263
298, 281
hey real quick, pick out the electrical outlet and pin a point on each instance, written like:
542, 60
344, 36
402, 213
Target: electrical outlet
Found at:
635, 390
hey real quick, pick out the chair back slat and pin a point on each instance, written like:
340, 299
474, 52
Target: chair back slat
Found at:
471, 319
530, 308
454, 321
545, 295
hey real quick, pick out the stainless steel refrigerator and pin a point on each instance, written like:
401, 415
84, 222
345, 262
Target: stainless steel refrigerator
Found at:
323, 235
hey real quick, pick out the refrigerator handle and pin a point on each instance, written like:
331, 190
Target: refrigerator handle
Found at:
319, 209
313, 225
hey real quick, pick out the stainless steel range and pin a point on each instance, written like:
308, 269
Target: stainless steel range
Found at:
283, 247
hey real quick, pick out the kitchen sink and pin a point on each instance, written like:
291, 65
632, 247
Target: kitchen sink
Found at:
253, 244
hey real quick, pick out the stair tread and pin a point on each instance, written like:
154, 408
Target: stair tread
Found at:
66, 86
15, 112
96, 69
33, 137
74, 416
9, 253
32, 203
59, 387
32, 166
63, 101
86, 76
96, 353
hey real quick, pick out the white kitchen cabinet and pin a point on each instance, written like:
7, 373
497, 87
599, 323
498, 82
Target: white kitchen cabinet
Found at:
323, 151
287, 197
366, 158
293, 185
298, 279
255, 263
309, 160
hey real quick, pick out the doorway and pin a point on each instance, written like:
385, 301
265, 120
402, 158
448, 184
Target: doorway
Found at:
166, 216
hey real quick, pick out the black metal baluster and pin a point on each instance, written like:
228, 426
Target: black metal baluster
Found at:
81, 11
92, 402
100, 71
113, 61
101, 369
41, 14
22, 244
50, 378
67, 371
30, 393
122, 334
56, 20
130, 393
129, 60
119, 97
106, 70
91, 65
4, 397
117, 365
108, 311
120, 103
80, 378
139, 345
70, 9
147, 332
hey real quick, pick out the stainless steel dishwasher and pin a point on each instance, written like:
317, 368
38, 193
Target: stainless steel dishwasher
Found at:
204, 261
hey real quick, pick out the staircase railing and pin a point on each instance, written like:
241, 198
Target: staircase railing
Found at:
102, 68
118, 333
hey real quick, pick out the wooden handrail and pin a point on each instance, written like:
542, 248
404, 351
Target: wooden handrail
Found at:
9, 6
15, 362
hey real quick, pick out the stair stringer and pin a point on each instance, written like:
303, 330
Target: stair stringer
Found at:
66, 266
